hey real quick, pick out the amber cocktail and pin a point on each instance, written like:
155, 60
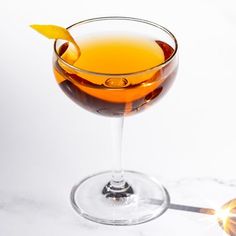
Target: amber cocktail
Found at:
126, 64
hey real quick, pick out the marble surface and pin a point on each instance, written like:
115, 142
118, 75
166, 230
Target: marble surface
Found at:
21, 213
47, 143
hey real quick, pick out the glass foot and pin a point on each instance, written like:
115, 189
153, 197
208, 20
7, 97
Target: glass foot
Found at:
144, 199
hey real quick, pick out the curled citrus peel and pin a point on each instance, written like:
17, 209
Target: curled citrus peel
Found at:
58, 32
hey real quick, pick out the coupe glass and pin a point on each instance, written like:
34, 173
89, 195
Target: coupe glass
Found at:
118, 197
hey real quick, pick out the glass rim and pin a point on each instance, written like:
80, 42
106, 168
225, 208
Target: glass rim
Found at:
159, 66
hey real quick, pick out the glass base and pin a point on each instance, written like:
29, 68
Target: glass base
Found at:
146, 199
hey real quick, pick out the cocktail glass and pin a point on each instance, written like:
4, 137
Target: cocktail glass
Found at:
117, 197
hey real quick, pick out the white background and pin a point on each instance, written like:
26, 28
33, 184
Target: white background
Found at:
46, 140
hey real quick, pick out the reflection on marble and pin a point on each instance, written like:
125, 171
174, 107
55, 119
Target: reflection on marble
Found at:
22, 215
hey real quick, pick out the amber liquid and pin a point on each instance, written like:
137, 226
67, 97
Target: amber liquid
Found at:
126, 79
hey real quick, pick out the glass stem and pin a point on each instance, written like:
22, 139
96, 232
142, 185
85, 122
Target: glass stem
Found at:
117, 135
117, 188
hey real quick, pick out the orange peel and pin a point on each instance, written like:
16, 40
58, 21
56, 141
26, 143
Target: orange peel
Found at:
58, 32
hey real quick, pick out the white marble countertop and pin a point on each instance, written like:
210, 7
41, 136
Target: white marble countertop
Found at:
23, 213
47, 143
